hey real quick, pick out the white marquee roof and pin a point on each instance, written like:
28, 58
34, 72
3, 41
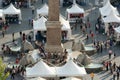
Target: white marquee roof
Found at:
75, 9
40, 24
11, 10
38, 78
70, 69
40, 69
107, 8
43, 10
117, 29
111, 18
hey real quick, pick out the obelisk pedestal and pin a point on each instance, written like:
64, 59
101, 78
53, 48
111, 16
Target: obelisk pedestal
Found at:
53, 24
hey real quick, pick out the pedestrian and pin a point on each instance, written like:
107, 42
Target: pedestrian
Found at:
33, 9
42, 1
13, 36
3, 33
118, 74
114, 55
92, 75
110, 53
114, 75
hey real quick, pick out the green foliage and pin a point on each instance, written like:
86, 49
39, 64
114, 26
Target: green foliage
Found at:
3, 75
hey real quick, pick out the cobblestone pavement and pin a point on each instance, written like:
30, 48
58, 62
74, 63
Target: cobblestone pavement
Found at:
92, 14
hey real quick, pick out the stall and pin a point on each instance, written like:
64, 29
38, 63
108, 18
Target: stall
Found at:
39, 25
74, 12
12, 15
107, 8
43, 11
111, 18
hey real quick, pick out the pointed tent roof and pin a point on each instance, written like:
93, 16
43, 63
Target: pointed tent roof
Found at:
40, 24
43, 10
11, 10
107, 8
70, 69
117, 29
111, 18
40, 69
75, 9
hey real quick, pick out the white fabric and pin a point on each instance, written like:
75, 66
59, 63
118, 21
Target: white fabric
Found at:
40, 24
70, 69
106, 9
43, 11
75, 9
40, 69
12, 10
38, 78
1, 15
71, 78
34, 55
111, 18
117, 29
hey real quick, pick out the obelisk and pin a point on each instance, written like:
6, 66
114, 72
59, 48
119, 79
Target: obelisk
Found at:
53, 28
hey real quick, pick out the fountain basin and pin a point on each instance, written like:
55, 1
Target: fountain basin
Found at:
94, 67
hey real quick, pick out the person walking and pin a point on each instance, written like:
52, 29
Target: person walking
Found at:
118, 74
114, 75
92, 75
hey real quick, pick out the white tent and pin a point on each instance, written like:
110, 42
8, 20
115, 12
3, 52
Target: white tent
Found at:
40, 69
34, 55
111, 18
71, 78
74, 10
1, 15
106, 9
38, 78
43, 11
41, 25
117, 29
11, 10
70, 69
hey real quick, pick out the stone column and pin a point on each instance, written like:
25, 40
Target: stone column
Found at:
53, 28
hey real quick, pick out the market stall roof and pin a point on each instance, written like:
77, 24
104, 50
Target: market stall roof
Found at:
71, 78
112, 17
75, 9
117, 29
43, 10
107, 8
11, 10
40, 69
70, 69
40, 24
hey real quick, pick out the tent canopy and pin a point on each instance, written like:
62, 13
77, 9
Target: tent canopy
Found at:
40, 24
70, 69
106, 9
111, 18
43, 11
75, 9
71, 78
11, 10
38, 78
117, 29
40, 69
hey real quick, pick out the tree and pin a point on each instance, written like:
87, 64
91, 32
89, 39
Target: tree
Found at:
3, 75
